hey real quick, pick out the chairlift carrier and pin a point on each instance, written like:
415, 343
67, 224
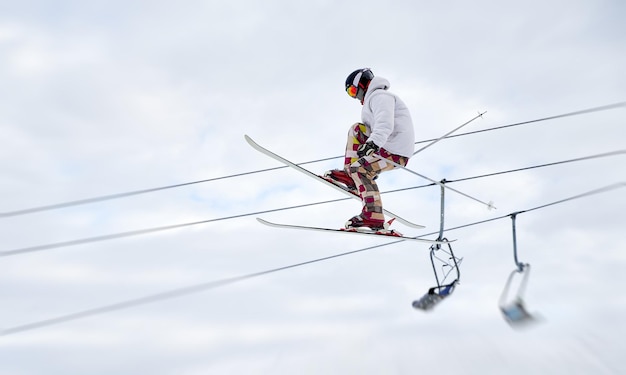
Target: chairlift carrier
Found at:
442, 290
514, 311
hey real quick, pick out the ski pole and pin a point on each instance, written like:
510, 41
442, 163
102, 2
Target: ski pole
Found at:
448, 133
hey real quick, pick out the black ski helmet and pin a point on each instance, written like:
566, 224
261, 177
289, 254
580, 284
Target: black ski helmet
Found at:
357, 83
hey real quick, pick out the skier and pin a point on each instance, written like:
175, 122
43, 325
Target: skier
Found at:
384, 133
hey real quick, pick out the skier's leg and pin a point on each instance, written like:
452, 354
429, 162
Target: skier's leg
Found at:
363, 172
357, 135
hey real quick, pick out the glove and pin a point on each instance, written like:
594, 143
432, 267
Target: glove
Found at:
366, 149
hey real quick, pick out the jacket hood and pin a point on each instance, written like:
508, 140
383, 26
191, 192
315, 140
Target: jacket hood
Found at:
378, 83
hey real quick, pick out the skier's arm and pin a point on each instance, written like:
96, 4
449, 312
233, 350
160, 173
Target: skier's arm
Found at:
383, 106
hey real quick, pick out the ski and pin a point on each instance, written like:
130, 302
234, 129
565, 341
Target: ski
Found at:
343, 189
389, 234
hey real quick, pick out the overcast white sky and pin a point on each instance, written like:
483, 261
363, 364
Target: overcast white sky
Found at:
104, 97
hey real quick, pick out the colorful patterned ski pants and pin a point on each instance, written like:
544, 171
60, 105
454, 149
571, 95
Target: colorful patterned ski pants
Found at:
364, 170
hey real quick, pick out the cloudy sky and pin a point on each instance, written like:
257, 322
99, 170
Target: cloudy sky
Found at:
107, 97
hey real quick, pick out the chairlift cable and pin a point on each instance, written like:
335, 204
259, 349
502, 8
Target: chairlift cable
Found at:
102, 198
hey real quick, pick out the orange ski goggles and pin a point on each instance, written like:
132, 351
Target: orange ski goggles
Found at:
352, 91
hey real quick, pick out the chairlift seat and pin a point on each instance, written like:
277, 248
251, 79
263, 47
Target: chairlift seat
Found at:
516, 313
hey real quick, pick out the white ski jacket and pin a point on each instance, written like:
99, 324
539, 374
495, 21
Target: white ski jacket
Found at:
388, 119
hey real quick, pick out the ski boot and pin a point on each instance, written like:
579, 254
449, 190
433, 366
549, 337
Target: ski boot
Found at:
342, 178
